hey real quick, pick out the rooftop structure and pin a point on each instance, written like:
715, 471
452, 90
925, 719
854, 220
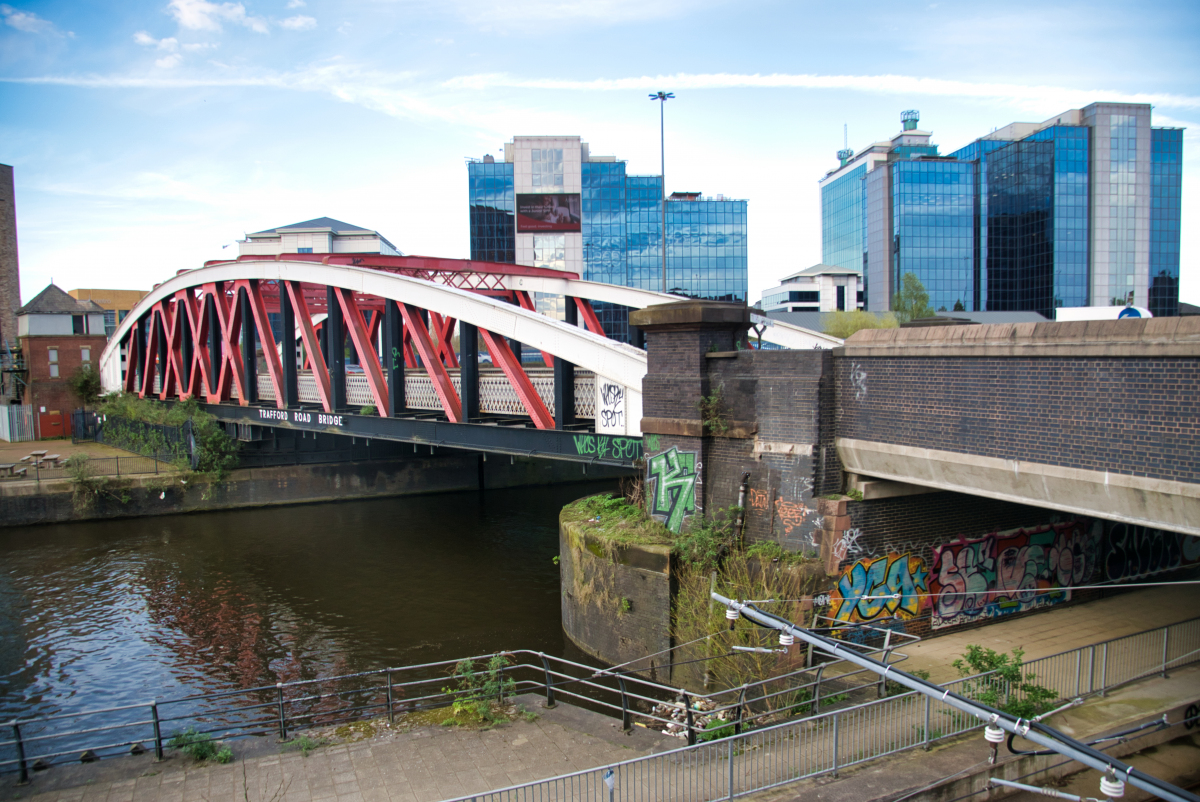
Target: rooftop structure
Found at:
321, 235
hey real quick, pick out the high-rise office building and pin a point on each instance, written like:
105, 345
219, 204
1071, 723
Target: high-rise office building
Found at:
550, 203
1080, 210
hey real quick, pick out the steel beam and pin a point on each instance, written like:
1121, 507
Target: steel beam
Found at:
263, 324
585, 447
335, 338
309, 337
468, 374
418, 329
564, 378
249, 394
367, 358
518, 379
287, 394
393, 355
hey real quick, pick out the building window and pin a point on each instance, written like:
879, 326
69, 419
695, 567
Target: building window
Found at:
547, 167
77, 324
304, 250
52, 355
85, 355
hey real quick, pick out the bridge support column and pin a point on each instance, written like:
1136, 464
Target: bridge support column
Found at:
335, 342
249, 349
214, 339
140, 338
291, 393
468, 344
680, 337
393, 358
564, 377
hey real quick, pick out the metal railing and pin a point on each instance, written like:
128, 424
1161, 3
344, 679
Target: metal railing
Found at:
285, 708
96, 466
822, 742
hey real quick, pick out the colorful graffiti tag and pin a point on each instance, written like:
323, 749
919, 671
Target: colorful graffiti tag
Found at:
1004, 573
893, 586
673, 474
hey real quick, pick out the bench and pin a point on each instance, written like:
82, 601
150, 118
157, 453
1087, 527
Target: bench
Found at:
20, 471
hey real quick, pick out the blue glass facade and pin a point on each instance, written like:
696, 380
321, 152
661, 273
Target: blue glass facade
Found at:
490, 189
843, 220
1166, 175
621, 231
1066, 214
933, 228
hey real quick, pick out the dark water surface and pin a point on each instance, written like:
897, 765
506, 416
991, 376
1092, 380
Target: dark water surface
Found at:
111, 613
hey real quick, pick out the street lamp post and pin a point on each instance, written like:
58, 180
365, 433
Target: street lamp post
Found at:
662, 98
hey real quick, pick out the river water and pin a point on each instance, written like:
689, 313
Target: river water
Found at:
102, 614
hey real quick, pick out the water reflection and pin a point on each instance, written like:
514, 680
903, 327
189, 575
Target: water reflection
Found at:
119, 612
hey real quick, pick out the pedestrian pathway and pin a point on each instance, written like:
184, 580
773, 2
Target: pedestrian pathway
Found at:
432, 763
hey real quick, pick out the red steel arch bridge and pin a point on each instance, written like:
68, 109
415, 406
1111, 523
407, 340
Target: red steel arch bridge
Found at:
207, 333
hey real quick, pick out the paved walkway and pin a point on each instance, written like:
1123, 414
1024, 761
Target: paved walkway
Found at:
432, 763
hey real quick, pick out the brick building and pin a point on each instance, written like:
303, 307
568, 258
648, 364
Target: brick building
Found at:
10, 290
58, 335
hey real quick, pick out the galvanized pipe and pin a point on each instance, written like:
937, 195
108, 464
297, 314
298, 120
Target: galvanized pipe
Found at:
1037, 733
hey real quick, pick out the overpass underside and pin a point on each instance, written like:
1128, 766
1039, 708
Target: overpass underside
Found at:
1096, 418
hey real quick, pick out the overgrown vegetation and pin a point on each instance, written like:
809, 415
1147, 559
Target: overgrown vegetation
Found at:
85, 384
216, 451
479, 696
708, 540
199, 746
771, 552
843, 324
1008, 688
87, 487
712, 411
305, 745
614, 519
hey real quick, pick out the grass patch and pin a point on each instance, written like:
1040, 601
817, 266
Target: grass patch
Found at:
772, 552
614, 519
305, 745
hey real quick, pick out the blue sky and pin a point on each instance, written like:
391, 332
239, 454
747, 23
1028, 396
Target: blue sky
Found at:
147, 135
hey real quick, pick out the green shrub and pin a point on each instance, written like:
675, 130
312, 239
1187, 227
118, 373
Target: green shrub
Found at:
716, 728
708, 540
1005, 687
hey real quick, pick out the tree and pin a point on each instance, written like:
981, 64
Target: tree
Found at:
85, 383
843, 324
912, 301
958, 306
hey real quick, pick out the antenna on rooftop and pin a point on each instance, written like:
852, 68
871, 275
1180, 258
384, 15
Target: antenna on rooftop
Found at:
845, 153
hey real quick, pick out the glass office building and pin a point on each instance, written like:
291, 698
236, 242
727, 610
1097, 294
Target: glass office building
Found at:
618, 236
1080, 210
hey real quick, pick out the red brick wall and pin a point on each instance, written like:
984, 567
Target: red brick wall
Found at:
55, 393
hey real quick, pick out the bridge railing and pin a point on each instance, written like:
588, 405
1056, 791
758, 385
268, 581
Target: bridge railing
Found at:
496, 395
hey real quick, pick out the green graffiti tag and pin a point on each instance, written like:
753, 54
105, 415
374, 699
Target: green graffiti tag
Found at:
397, 359
604, 447
651, 442
674, 476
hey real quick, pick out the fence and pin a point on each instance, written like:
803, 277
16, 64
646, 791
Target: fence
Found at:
16, 423
824, 744
96, 466
155, 440
745, 762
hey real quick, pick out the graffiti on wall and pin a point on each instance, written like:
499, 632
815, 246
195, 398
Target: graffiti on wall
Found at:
1004, 573
848, 544
790, 516
1135, 552
612, 407
673, 475
893, 586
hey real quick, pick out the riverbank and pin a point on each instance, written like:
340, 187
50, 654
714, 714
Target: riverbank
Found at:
61, 500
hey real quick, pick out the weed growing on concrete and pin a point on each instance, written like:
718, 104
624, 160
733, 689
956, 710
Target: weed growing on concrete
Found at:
614, 519
716, 729
708, 540
87, 487
479, 695
772, 552
199, 746
305, 745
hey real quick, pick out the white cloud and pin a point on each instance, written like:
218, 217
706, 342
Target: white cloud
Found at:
344, 28
169, 44
299, 23
27, 21
201, 15
1053, 96
194, 47
296, 4
167, 62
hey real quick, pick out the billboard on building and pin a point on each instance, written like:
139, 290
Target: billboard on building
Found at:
548, 212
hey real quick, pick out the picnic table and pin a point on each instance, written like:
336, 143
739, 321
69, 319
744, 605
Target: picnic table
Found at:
52, 459
7, 467
37, 453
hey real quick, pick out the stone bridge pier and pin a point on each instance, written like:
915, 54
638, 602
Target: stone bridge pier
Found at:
969, 472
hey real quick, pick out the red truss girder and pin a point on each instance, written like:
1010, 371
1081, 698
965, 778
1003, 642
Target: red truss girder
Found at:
507, 361
442, 384
367, 356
